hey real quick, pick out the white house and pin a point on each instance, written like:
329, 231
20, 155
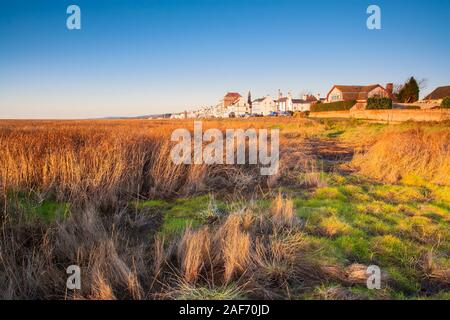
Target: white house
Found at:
264, 105
303, 104
182, 115
284, 104
239, 107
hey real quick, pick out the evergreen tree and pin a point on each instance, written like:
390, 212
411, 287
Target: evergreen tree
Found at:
409, 92
249, 101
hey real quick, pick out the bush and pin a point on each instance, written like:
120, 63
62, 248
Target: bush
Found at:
333, 106
412, 107
409, 91
379, 103
445, 102
301, 114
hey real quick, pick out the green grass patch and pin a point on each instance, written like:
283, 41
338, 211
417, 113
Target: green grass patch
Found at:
397, 194
406, 280
46, 210
391, 250
180, 213
355, 248
224, 292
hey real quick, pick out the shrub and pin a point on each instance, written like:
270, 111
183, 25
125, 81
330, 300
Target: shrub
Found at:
409, 92
412, 107
379, 103
333, 106
445, 102
301, 114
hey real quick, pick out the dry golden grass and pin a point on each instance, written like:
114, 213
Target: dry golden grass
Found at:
104, 161
99, 166
33, 258
283, 213
409, 155
237, 249
193, 251
235, 245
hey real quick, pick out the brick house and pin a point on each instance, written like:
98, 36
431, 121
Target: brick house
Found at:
358, 93
231, 98
439, 93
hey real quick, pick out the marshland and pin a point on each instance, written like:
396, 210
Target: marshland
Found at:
104, 195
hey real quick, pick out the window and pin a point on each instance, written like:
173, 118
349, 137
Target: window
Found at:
335, 97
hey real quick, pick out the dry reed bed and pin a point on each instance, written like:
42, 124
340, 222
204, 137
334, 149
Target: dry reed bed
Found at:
105, 161
253, 254
413, 154
249, 253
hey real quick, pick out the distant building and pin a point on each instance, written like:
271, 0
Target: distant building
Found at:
178, 116
284, 104
304, 104
239, 107
288, 103
231, 98
358, 93
264, 105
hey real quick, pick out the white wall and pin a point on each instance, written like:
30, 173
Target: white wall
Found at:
335, 95
264, 107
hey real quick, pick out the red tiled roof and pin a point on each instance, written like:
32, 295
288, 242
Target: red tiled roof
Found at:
232, 95
310, 97
355, 92
259, 99
439, 93
300, 101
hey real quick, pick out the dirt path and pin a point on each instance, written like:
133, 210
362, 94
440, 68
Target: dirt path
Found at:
331, 152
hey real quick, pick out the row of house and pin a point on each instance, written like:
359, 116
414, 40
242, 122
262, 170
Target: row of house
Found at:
237, 104
361, 93
234, 104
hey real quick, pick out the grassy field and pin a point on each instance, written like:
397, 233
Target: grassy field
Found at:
105, 195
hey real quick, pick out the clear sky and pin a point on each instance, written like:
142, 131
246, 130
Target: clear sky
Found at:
154, 56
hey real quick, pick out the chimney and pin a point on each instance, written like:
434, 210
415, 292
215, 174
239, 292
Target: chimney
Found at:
390, 88
305, 97
279, 94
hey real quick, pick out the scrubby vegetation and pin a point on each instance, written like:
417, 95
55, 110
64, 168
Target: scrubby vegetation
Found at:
333, 106
105, 196
445, 102
379, 103
410, 155
410, 107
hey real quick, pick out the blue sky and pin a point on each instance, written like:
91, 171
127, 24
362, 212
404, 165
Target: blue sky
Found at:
145, 57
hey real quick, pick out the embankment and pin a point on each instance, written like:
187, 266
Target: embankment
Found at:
387, 115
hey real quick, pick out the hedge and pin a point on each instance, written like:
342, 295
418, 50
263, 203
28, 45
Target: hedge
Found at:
411, 107
445, 102
333, 106
379, 103
301, 114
